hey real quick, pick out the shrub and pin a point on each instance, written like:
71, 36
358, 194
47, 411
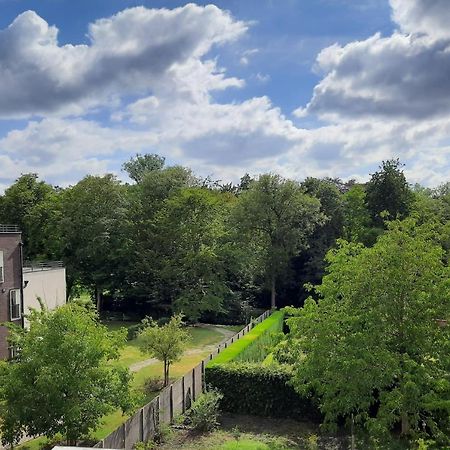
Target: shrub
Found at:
153, 384
256, 344
133, 331
250, 388
204, 414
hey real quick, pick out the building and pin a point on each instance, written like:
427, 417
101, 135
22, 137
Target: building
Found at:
22, 284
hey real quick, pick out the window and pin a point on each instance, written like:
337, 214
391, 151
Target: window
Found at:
14, 304
2, 279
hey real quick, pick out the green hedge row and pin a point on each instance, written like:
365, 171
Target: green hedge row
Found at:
250, 388
255, 345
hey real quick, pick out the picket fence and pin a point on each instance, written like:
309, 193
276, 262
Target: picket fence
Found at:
173, 400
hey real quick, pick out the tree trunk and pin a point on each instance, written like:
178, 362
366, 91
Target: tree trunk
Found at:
98, 298
405, 424
273, 293
166, 373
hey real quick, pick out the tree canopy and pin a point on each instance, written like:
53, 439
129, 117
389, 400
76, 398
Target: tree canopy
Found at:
372, 346
61, 382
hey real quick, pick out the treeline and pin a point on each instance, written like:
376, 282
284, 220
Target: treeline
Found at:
171, 241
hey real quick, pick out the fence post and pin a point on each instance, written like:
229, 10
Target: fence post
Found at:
193, 385
183, 403
203, 377
141, 425
171, 404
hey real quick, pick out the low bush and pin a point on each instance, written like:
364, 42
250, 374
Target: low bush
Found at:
256, 344
250, 388
153, 384
204, 413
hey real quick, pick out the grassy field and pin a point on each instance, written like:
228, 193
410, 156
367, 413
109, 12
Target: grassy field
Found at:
202, 338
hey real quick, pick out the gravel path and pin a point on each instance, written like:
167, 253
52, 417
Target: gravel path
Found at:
194, 351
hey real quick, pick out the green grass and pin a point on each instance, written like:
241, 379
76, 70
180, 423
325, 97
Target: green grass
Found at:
272, 324
246, 444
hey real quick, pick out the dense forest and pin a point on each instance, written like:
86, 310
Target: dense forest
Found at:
171, 241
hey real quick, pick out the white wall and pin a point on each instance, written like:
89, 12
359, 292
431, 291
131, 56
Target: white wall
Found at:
48, 285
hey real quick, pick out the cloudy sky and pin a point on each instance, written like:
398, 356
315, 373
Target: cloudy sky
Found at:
298, 87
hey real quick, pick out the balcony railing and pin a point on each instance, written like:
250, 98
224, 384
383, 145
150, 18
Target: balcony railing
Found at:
9, 228
40, 266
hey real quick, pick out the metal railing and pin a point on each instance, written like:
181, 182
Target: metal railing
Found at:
40, 266
9, 228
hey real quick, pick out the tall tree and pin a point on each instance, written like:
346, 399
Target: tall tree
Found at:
96, 234
372, 346
189, 240
277, 215
61, 381
388, 191
139, 166
34, 206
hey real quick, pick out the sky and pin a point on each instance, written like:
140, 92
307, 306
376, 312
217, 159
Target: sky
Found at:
295, 87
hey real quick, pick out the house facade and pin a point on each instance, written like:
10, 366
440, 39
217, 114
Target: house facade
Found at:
11, 286
22, 284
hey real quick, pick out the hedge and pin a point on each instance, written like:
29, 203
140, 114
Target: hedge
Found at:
255, 345
250, 388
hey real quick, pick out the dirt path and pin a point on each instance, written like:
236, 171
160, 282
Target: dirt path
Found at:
193, 351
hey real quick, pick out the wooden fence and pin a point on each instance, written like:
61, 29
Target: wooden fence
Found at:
171, 401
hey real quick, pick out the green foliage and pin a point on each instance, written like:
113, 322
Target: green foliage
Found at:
204, 413
35, 207
273, 219
61, 381
190, 240
251, 388
138, 166
96, 236
166, 343
255, 345
388, 191
371, 346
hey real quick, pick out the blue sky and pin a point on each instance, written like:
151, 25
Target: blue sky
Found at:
298, 87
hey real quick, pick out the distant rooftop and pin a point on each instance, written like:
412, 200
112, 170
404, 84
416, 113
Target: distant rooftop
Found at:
40, 266
9, 228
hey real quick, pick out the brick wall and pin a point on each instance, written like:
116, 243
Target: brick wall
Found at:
10, 245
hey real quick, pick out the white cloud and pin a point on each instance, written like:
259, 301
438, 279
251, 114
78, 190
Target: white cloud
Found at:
133, 52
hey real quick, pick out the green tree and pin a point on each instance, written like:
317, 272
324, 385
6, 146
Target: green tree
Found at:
372, 346
61, 381
34, 206
96, 234
277, 216
388, 191
165, 343
140, 165
358, 225
190, 240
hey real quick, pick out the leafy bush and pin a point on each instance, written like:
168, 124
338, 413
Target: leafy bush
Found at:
250, 388
153, 384
256, 344
133, 331
204, 414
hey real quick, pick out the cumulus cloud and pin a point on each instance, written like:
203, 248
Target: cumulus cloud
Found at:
64, 150
422, 16
133, 52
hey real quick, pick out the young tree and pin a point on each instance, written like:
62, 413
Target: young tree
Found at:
372, 346
277, 215
166, 342
61, 381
